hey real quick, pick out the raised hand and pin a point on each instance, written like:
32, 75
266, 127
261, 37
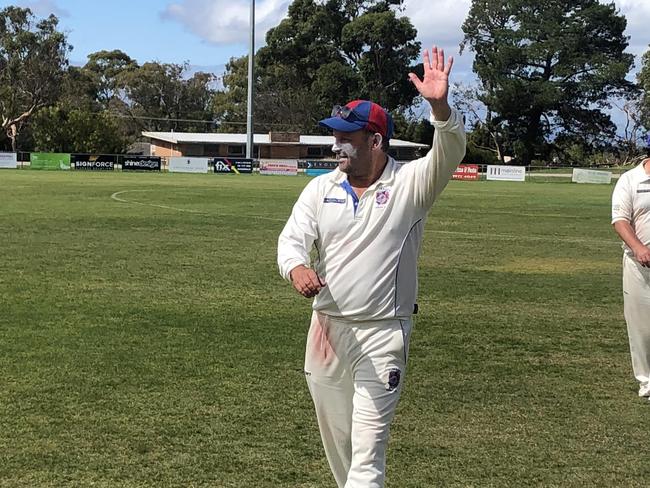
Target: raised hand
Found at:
434, 87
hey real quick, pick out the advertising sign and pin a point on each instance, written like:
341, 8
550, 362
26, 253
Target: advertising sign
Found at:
231, 165
506, 173
285, 168
591, 176
141, 163
317, 172
49, 161
93, 162
321, 164
188, 165
8, 160
466, 172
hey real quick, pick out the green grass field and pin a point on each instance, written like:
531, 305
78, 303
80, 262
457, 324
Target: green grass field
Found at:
147, 340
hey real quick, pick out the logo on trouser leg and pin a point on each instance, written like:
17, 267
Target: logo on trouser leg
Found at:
393, 379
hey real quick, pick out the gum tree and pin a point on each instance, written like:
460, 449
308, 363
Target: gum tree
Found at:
33, 59
548, 69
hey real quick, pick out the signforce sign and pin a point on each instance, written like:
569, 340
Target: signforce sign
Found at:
93, 162
506, 173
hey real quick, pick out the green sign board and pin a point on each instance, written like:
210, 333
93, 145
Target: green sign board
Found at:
49, 161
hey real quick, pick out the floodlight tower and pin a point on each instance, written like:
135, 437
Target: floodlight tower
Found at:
251, 69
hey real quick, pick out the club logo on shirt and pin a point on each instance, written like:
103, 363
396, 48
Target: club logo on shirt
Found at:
382, 197
393, 379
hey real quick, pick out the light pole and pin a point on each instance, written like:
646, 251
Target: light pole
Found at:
251, 69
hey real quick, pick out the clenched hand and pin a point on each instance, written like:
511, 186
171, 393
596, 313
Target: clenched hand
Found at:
306, 281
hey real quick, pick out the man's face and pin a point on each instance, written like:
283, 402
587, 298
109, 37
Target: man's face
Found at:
353, 151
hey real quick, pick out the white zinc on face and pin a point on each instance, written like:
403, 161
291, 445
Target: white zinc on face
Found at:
345, 149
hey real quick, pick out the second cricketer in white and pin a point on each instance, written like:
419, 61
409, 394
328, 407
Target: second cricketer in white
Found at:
631, 220
366, 220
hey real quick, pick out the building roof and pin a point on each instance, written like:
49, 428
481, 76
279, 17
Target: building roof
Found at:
262, 139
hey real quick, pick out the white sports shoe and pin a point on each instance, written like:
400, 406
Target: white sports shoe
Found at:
644, 390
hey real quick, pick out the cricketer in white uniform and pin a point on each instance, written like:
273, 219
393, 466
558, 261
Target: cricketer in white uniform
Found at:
631, 220
366, 220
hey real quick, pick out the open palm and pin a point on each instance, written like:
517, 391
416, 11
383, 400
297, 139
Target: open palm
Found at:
435, 85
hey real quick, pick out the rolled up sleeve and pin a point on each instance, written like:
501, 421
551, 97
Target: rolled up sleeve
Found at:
622, 200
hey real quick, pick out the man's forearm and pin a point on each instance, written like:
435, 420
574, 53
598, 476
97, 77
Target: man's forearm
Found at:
626, 232
441, 110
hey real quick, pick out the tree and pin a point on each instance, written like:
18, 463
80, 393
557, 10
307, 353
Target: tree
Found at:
229, 104
68, 129
77, 121
547, 69
382, 48
323, 53
159, 97
33, 57
487, 133
105, 68
630, 141
643, 78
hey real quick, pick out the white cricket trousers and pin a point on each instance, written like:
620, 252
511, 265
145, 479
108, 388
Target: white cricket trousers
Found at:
636, 301
355, 372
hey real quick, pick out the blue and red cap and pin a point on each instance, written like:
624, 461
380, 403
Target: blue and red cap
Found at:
360, 115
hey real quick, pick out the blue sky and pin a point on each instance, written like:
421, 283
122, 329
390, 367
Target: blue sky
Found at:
140, 28
207, 33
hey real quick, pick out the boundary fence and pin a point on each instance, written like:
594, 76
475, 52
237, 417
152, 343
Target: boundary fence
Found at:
185, 164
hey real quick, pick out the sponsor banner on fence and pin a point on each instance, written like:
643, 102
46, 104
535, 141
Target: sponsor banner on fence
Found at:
231, 165
93, 162
466, 172
506, 173
591, 176
141, 163
317, 172
321, 164
8, 160
285, 168
49, 161
188, 165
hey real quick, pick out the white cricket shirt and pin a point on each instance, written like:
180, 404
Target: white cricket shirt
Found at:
631, 202
367, 248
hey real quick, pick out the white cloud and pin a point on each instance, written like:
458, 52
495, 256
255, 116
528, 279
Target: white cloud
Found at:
43, 8
637, 13
437, 22
227, 21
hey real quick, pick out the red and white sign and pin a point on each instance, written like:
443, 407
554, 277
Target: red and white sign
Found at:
466, 172
285, 168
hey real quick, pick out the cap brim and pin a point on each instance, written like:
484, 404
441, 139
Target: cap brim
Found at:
337, 123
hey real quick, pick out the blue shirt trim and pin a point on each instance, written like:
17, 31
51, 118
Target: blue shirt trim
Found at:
355, 199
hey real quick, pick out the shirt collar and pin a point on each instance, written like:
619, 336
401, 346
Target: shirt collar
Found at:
640, 174
387, 176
